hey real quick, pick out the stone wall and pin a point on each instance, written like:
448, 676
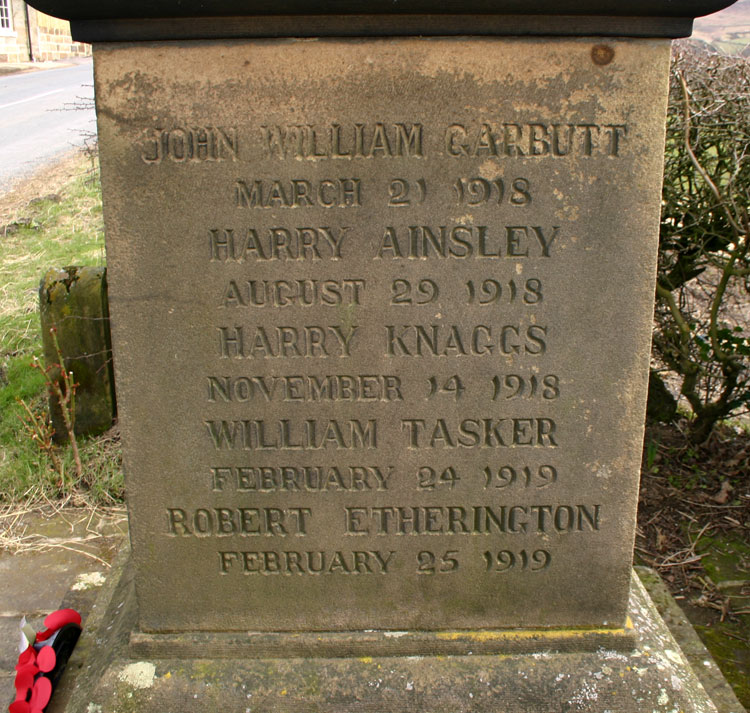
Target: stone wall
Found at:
53, 40
50, 37
14, 40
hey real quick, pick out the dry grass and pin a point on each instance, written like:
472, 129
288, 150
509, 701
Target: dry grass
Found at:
22, 528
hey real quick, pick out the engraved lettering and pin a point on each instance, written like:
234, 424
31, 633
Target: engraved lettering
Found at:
480, 433
442, 340
193, 144
512, 386
471, 519
298, 193
292, 293
288, 435
339, 141
228, 521
466, 241
302, 479
505, 560
491, 291
430, 563
318, 562
271, 244
285, 342
507, 476
537, 139
480, 191
305, 388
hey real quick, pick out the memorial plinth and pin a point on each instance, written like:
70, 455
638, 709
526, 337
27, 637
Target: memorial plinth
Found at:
381, 313
387, 355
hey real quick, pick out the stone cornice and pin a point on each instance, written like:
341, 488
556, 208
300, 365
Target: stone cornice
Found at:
145, 20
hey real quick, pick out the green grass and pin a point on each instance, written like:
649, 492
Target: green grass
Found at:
45, 234
65, 229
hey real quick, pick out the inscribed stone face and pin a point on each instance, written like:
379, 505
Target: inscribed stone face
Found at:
381, 319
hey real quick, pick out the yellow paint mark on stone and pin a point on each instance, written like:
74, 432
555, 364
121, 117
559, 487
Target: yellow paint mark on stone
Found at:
365, 659
541, 634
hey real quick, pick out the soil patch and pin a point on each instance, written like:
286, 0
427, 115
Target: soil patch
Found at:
694, 529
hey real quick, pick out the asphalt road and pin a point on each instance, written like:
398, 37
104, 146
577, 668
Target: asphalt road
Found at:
39, 118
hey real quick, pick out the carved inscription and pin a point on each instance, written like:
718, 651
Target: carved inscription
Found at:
343, 141
307, 479
293, 293
293, 435
306, 562
352, 141
467, 241
260, 342
471, 520
423, 340
298, 193
480, 433
335, 337
275, 244
190, 144
300, 388
536, 139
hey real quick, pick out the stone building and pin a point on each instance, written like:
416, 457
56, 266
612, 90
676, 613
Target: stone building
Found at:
29, 35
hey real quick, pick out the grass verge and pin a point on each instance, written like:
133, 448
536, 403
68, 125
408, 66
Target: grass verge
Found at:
51, 230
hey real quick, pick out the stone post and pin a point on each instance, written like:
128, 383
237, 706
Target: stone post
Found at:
73, 303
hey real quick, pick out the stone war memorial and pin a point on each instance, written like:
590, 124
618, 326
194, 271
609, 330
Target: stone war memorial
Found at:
381, 279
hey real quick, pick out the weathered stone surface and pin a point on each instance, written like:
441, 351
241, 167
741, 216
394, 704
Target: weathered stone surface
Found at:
382, 315
692, 647
653, 676
73, 302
